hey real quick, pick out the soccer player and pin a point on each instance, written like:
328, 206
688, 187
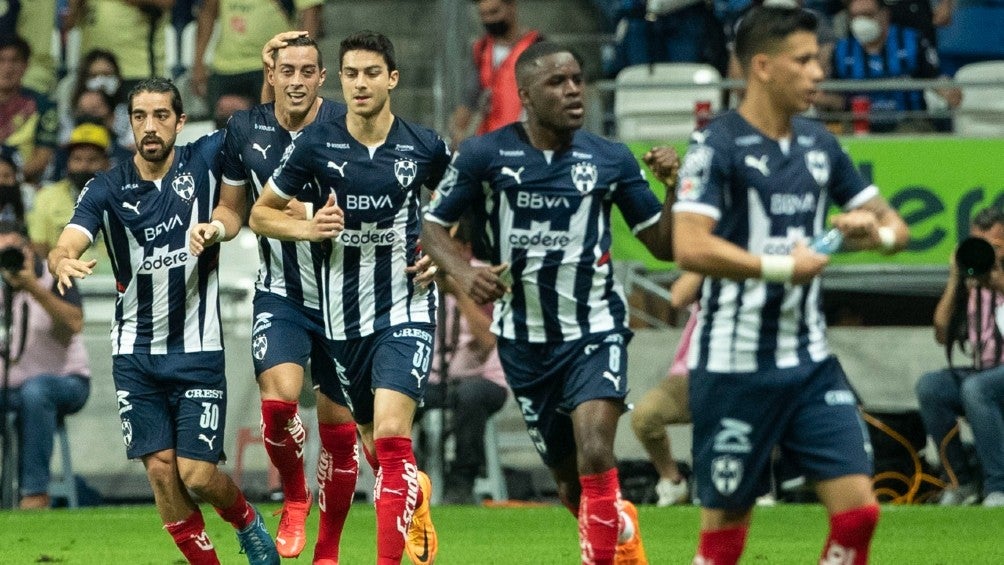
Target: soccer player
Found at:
288, 326
560, 316
167, 339
367, 169
754, 185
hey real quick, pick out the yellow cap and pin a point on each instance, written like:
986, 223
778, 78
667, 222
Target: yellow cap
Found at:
90, 134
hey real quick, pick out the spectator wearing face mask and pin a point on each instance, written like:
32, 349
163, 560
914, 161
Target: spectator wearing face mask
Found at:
490, 95
87, 155
878, 49
98, 71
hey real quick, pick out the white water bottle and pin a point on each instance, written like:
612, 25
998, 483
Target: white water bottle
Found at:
827, 243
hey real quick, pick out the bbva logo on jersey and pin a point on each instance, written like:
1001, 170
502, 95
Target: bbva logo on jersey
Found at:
184, 186
584, 176
405, 170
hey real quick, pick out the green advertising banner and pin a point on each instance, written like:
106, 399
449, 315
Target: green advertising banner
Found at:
936, 183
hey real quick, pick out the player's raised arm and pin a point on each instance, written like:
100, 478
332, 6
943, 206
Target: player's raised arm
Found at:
664, 162
64, 259
269, 218
225, 223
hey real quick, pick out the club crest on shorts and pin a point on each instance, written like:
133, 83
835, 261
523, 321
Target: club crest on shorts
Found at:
405, 170
819, 165
584, 176
259, 346
127, 432
726, 474
184, 186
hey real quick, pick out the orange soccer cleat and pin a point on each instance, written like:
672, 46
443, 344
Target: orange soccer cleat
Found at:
422, 543
292, 535
631, 552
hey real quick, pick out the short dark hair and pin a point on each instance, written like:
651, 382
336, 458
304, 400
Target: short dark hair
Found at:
527, 60
763, 29
18, 43
988, 217
302, 41
367, 40
159, 85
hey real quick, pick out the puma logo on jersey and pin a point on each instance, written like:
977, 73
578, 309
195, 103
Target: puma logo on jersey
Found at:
514, 174
133, 207
758, 164
339, 168
261, 149
613, 378
209, 441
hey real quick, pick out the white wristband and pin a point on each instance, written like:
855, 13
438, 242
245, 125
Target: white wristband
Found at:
221, 230
777, 268
887, 238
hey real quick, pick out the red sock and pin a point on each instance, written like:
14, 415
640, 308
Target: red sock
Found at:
371, 459
721, 547
240, 514
284, 438
190, 537
850, 536
396, 494
337, 469
599, 517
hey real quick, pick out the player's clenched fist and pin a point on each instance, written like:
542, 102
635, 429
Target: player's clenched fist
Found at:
808, 264
664, 162
328, 222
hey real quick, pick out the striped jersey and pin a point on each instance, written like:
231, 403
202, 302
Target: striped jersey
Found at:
378, 188
765, 196
547, 214
253, 149
168, 300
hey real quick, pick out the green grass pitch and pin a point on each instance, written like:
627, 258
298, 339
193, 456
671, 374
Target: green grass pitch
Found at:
785, 534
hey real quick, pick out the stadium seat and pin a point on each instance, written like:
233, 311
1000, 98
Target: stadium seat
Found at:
492, 485
981, 113
65, 486
655, 103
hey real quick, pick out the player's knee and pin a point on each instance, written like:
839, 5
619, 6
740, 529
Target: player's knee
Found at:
160, 468
197, 475
646, 425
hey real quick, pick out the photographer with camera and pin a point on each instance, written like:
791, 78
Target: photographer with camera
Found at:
44, 358
970, 314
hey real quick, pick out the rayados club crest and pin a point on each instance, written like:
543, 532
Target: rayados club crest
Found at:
405, 170
184, 186
819, 165
584, 176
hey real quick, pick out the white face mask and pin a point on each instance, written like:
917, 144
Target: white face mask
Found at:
108, 83
781, 3
865, 29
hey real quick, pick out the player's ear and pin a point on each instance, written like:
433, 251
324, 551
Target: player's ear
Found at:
324, 75
760, 67
182, 118
393, 78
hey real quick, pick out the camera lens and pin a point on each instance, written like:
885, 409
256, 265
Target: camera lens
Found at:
975, 257
11, 259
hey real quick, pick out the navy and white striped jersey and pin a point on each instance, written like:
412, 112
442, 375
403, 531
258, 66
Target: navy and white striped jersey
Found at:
253, 150
547, 215
168, 300
765, 197
378, 188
